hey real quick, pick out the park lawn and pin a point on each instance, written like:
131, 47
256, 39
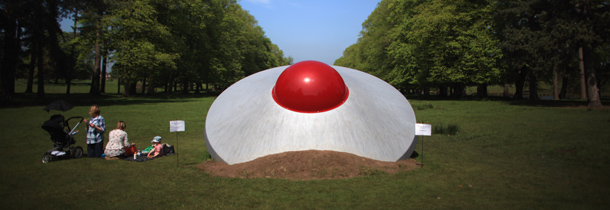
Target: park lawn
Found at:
507, 155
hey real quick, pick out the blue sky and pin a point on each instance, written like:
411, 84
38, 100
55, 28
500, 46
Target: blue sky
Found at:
311, 29
308, 29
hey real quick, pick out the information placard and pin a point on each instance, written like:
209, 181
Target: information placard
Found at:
176, 125
423, 129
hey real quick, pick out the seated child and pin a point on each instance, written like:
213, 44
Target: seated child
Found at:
157, 150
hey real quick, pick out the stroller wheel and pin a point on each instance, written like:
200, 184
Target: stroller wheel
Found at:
77, 152
46, 158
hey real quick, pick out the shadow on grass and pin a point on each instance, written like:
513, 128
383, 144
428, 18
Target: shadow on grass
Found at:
549, 103
83, 99
516, 102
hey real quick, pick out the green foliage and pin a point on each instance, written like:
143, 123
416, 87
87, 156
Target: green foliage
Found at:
434, 43
541, 37
141, 43
164, 42
424, 43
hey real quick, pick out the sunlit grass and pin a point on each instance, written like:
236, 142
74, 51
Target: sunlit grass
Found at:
505, 156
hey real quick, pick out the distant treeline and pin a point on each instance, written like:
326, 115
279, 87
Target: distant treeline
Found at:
448, 45
158, 43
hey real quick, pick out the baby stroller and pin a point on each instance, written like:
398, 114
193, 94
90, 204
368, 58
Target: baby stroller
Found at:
62, 137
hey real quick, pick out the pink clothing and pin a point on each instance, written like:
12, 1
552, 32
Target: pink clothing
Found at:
158, 150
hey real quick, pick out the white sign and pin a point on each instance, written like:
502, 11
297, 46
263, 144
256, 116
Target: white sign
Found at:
176, 125
423, 129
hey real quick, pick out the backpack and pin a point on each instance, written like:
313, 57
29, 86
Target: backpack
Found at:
168, 149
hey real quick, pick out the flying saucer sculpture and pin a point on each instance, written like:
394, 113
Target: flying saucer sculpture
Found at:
310, 106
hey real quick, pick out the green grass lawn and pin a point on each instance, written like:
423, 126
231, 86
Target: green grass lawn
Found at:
507, 155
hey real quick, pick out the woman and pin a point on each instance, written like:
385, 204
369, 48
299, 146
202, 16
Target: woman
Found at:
117, 142
157, 150
96, 126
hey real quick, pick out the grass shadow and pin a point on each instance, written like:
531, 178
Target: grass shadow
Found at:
552, 103
508, 100
84, 99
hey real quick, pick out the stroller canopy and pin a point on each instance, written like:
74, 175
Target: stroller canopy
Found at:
55, 127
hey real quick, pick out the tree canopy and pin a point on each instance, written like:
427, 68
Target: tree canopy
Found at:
159, 43
432, 43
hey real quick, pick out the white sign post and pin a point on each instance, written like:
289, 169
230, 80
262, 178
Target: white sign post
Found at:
423, 130
176, 126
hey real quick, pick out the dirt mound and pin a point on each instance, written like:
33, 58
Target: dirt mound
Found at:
307, 165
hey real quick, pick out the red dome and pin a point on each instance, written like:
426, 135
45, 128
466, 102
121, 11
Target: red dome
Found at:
310, 87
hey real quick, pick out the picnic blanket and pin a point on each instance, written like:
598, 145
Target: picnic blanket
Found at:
166, 152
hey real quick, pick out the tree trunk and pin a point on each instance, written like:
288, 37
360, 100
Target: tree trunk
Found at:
72, 64
185, 87
40, 62
126, 88
132, 88
519, 83
144, 86
151, 86
458, 91
591, 79
129, 87
482, 90
505, 92
555, 82
9, 61
95, 76
442, 91
166, 87
69, 75
30, 85
533, 85
564, 87
197, 87
583, 83
169, 85
103, 78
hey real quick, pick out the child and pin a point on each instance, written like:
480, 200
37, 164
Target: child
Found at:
95, 132
157, 150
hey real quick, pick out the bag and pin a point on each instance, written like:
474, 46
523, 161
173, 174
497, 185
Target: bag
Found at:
130, 150
168, 149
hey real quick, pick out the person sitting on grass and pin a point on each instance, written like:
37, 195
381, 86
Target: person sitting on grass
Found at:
117, 142
157, 150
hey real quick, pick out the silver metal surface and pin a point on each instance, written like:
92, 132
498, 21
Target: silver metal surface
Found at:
245, 123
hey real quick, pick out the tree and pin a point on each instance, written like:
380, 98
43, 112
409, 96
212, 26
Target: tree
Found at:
417, 43
593, 19
9, 19
139, 41
94, 31
370, 52
542, 36
33, 24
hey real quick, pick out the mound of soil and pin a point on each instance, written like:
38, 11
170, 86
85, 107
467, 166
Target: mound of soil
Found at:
308, 165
